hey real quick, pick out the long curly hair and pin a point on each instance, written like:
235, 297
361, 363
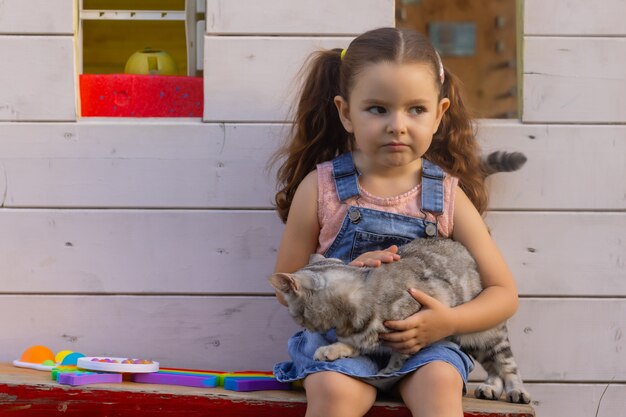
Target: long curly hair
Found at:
317, 134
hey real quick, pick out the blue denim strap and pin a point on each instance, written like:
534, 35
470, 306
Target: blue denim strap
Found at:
346, 176
432, 188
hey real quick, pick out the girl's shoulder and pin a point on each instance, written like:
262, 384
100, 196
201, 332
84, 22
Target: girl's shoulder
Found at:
309, 184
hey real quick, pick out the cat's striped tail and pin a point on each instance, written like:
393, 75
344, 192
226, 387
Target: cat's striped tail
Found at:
501, 161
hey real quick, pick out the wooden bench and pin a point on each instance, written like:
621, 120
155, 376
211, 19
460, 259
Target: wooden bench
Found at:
25, 392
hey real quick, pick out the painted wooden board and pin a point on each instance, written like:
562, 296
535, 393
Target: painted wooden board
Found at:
253, 78
138, 251
29, 393
233, 251
314, 17
131, 164
578, 400
37, 78
569, 167
45, 17
189, 164
562, 76
568, 253
237, 333
574, 17
570, 339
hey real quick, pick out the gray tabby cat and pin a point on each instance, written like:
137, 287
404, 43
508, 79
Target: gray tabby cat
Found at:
356, 301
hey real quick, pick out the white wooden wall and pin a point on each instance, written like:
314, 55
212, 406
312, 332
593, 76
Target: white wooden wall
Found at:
154, 238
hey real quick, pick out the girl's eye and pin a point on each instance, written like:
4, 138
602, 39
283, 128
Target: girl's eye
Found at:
377, 110
417, 110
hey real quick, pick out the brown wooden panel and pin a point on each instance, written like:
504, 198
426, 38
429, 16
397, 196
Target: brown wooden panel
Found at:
490, 76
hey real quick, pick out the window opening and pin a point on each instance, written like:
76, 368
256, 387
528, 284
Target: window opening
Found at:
141, 58
477, 41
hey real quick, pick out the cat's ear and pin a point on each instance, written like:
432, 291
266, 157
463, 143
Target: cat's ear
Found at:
285, 283
315, 258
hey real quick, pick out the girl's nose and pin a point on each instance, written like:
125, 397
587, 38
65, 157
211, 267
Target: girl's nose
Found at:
396, 124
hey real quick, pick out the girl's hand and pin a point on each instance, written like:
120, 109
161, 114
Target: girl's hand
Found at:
432, 323
377, 258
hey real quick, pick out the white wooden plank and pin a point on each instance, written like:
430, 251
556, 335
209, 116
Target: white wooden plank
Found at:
194, 165
233, 251
572, 339
37, 17
137, 251
131, 164
304, 17
229, 333
574, 17
37, 78
570, 254
569, 167
251, 332
578, 400
577, 80
252, 79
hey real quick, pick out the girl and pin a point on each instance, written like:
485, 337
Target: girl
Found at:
383, 151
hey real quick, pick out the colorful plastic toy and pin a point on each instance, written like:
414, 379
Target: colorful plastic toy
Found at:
93, 363
58, 370
258, 384
42, 358
58, 358
37, 357
85, 378
70, 358
165, 378
245, 375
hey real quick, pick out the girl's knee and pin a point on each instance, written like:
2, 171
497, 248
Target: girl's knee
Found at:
443, 374
332, 393
334, 386
436, 389
438, 376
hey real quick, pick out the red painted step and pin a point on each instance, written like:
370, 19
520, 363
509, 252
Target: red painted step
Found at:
25, 392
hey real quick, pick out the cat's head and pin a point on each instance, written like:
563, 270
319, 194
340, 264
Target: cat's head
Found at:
318, 295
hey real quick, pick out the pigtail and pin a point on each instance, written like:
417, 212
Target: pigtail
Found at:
455, 148
317, 134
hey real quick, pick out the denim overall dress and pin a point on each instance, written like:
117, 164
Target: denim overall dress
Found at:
364, 230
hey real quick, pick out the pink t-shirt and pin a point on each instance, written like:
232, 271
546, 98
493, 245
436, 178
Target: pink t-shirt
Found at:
331, 211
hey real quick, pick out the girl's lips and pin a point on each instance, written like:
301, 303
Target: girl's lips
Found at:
395, 145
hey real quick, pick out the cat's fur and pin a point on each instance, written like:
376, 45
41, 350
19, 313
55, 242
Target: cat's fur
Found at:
356, 301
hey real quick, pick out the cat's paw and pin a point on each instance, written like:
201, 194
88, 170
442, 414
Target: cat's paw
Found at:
487, 392
518, 395
334, 352
395, 363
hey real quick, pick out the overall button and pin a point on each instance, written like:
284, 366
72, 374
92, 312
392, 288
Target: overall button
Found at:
354, 215
431, 230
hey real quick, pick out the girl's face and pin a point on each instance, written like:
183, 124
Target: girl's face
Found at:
393, 112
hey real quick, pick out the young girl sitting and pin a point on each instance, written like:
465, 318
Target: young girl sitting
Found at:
383, 151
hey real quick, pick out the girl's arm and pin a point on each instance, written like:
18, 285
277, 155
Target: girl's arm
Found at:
302, 230
496, 303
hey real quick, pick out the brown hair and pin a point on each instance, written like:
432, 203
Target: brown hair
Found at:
317, 134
